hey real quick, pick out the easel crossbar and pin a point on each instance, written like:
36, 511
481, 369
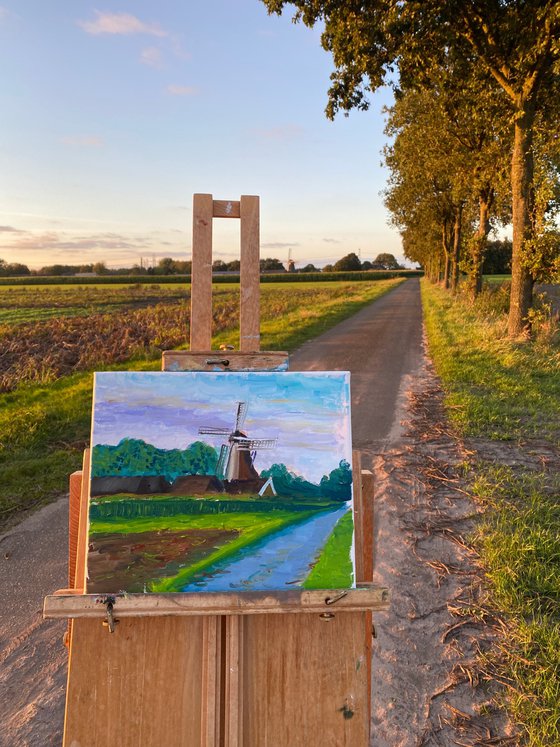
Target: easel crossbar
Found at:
365, 598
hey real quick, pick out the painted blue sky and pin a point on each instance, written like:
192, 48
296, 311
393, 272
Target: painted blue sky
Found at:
308, 413
113, 115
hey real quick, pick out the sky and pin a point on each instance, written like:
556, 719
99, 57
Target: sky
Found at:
308, 414
115, 114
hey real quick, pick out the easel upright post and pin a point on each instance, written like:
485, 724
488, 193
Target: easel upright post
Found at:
249, 316
201, 289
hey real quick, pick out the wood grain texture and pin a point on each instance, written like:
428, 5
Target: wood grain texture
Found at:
215, 360
358, 514
141, 686
305, 681
368, 492
226, 209
250, 275
74, 498
201, 273
81, 550
234, 685
295, 601
212, 697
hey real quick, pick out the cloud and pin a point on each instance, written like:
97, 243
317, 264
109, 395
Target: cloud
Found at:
279, 245
83, 141
332, 241
10, 229
54, 241
4, 13
282, 133
152, 56
122, 24
175, 90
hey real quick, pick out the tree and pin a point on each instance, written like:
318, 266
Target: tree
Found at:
498, 258
387, 261
348, 263
166, 266
13, 269
515, 41
271, 265
328, 268
309, 268
100, 268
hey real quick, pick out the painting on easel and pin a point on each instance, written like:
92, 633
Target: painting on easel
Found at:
220, 482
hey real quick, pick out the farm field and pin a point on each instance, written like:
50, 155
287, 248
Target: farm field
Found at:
46, 364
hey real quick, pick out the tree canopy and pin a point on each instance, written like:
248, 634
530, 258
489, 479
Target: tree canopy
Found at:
512, 46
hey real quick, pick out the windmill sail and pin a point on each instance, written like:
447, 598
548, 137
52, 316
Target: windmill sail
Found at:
221, 467
242, 408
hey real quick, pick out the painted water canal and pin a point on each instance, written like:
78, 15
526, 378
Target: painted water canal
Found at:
282, 559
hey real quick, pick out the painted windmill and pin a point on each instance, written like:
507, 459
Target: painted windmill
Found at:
235, 462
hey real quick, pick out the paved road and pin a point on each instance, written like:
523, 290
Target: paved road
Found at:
381, 346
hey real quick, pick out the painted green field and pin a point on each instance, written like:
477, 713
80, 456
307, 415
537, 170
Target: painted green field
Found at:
234, 526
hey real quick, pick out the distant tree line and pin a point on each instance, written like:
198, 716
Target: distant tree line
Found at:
170, 266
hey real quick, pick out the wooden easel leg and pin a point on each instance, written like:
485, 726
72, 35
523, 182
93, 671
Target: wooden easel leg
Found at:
211, 682
233, 681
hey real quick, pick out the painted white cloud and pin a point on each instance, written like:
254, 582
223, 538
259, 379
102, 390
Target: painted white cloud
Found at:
175, 90
123, 24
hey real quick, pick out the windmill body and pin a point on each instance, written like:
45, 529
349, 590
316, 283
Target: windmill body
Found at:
236, 461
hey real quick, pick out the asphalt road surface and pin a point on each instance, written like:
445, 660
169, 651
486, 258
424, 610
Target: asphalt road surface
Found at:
382, 348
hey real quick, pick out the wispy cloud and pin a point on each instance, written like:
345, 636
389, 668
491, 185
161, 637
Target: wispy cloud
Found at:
4, 13
282, 133
175, 90
54, 241
83, 141
122, 24
332, 241
152, 56
10, 229
279, 245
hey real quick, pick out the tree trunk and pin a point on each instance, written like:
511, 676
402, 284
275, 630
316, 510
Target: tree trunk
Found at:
446, 254
456, 247
522, 202
479, 246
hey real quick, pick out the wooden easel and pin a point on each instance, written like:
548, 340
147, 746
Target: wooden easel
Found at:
289, 669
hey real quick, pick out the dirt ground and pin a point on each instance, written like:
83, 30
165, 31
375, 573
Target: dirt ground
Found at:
428, 689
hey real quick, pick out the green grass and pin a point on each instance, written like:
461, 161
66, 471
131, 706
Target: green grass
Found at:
495, 388
500, 389
333, 569
44, 427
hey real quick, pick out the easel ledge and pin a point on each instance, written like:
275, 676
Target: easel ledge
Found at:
364, 598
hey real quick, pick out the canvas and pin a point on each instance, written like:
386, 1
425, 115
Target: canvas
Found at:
220, 482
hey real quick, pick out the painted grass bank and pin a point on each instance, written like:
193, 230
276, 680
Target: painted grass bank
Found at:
500, 390
45, 426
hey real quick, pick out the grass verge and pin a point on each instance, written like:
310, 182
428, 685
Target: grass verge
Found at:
498, 389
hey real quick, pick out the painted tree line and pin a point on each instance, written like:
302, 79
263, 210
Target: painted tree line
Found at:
474, 126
